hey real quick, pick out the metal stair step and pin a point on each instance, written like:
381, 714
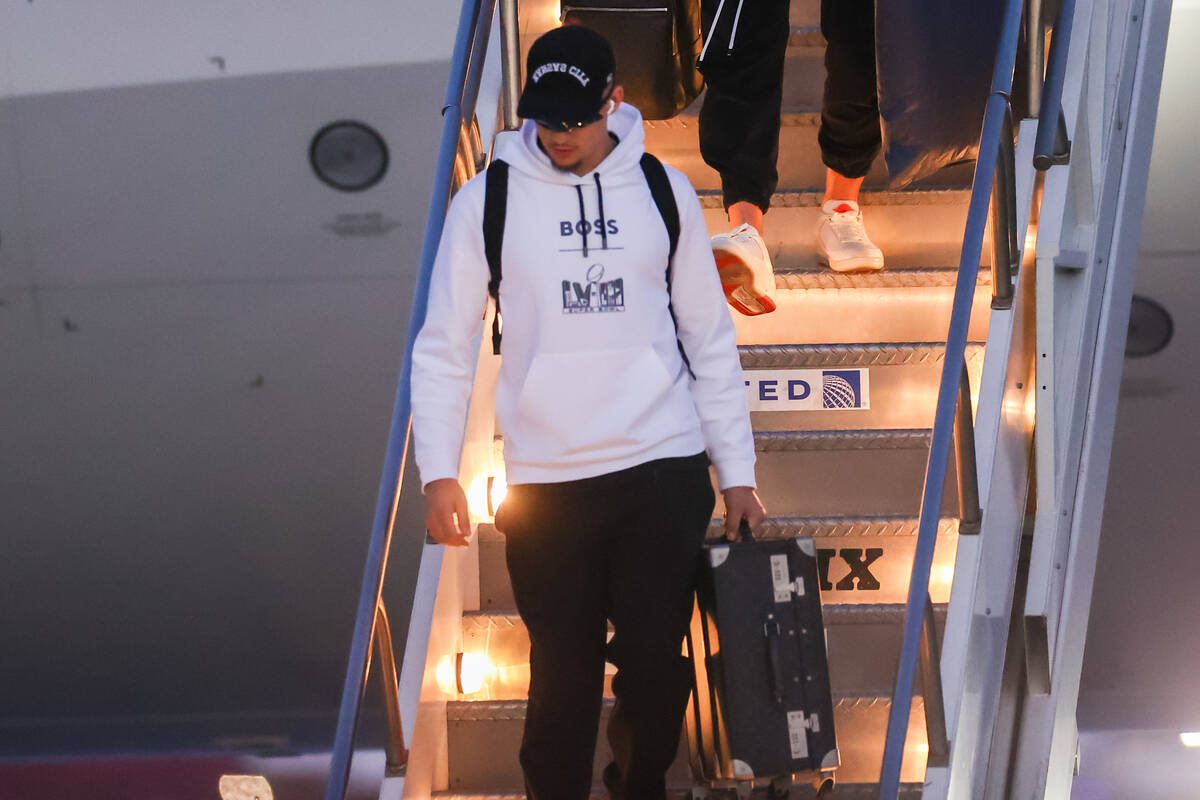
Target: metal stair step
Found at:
676, 141
887, 542
813, 277
844, 473
511, 796
868, 308
863, 641
913, 228
805, 13
806, 36
893, 535
484, 738
884, 354
898, 383
841, 440
845, 791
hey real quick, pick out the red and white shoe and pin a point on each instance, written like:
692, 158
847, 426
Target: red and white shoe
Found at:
842, 241
745, 268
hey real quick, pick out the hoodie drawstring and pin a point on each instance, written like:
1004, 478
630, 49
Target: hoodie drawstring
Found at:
582, 219
600, 207
583, 223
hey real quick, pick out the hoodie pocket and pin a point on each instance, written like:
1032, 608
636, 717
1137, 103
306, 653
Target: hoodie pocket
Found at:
592, 402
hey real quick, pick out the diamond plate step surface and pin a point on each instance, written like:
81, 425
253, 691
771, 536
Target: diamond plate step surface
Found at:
677, 142
805, 13
484, 739
845, 791
844, 473
885, 544
825, 308
863, 642
913, 228
893, 535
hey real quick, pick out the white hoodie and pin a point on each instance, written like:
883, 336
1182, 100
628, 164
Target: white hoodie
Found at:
591, 380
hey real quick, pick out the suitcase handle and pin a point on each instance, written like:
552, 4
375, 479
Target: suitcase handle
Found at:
771, 631
744, 530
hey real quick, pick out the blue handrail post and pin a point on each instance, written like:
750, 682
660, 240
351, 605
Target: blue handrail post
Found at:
995, 114
1051, 145
470, 42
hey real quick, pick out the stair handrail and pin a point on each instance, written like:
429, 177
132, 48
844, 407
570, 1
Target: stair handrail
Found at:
1051, 145
996, 112
462, 89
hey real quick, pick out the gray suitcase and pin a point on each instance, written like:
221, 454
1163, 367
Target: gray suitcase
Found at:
762, 709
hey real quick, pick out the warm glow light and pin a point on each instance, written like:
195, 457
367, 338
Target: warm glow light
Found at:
944, 575
499, 490
444, 674
483, 502
473, 671
921, 747
244, 787
470, 671
1190, 738
477, 498
1030, 239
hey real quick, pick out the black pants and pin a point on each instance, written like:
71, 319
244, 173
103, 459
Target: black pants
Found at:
620, 547
739, 122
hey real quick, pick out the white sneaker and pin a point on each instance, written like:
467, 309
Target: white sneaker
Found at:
745, 268
842, 242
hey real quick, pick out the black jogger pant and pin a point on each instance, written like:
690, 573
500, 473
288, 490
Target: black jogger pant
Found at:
739, 121
849, 136
620, 547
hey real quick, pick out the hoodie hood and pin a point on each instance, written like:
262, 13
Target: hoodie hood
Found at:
523, 154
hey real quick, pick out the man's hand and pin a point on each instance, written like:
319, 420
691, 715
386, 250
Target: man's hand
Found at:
446, 514
741, 502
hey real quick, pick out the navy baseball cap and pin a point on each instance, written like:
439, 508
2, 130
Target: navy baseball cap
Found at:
568, 76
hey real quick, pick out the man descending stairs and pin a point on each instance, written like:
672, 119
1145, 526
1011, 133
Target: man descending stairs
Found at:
841, 381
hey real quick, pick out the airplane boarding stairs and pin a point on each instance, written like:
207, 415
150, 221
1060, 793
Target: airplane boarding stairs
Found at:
849, 477
848, 469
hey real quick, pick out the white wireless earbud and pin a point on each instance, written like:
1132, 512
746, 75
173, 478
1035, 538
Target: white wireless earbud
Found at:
611, 106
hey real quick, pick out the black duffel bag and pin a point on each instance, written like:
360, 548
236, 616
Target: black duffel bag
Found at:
656, 43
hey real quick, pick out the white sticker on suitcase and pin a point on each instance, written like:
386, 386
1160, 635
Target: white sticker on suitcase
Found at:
781, 580
798, 734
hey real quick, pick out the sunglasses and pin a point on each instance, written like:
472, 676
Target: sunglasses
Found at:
568, 126
552, 125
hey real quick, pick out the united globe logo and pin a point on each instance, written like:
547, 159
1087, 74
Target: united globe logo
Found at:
841, 389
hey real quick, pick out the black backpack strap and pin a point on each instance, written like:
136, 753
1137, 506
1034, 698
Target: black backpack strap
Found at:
664, 199
495, 208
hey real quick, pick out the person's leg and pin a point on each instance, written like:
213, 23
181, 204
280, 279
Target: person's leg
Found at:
849, 135
652, 572
744, 51
744, 212
556, 565
739, 121
839, 187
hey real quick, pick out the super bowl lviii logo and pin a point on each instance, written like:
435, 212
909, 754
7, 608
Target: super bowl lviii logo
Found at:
807, 389
595, 294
